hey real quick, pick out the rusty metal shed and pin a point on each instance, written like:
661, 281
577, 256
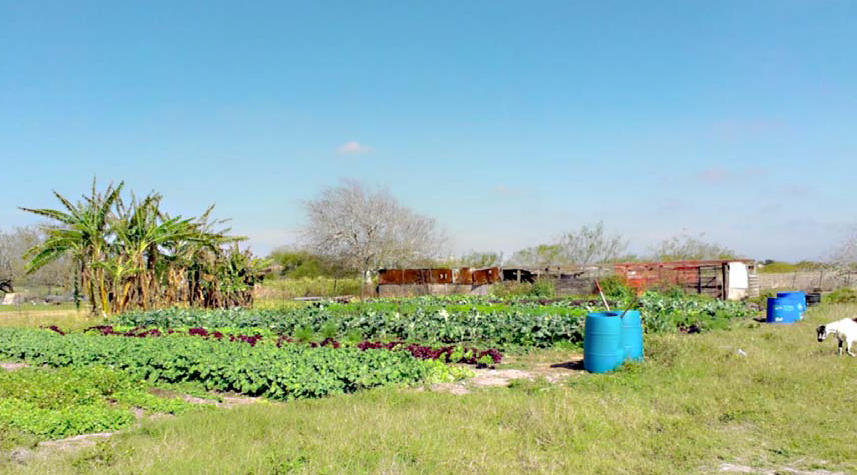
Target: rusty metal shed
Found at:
414, 276
710, 277
486, 276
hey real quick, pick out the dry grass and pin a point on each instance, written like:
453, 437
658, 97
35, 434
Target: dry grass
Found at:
35, 316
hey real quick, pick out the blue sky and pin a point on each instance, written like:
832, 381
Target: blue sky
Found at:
509, 122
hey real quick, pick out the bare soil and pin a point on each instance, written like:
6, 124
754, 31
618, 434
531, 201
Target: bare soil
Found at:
552, 371
12, 366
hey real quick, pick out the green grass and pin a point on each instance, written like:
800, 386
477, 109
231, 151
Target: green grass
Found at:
691, 406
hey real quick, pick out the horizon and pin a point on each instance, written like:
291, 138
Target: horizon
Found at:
507, 123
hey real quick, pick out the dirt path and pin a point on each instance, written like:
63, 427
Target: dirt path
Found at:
787, 470
12, 366
553, 372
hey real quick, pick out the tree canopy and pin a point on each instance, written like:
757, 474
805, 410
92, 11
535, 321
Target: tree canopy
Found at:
368, 229
685, 247
586, 245
132, 254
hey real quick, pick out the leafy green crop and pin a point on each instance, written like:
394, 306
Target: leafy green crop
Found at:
452, 320
52, 404
503, 328
293, 371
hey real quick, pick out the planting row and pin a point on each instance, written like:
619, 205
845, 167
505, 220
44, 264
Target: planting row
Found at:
446, 354
293, 371
512, 325
507, 328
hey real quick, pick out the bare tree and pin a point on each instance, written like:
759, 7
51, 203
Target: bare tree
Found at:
368, 229
13, 266
480, 259
540, 256
685, 247
590, 245
587, 245
7, 259
844, 256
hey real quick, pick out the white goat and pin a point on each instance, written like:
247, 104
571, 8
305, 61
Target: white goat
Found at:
844, 330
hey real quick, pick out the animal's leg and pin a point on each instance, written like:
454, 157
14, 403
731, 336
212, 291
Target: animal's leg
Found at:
840, 347
848, 348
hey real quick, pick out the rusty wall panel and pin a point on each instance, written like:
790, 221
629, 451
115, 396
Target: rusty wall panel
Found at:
463, 276
486, 276
390, 276
440, 276
412, 276
699, 276
480, 277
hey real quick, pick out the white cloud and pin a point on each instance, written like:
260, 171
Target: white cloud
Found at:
716, 175
353, 146
503, 190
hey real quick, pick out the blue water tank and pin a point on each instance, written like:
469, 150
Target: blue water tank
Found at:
632, 335
602, 342
782, 310
799, 297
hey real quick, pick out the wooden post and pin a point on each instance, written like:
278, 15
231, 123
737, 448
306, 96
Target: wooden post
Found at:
699, 280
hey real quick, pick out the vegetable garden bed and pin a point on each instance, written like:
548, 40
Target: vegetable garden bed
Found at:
292, 371
453, 320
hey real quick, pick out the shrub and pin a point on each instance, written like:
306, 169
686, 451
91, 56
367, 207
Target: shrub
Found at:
615, 287
841, 296
542, 288
287, 289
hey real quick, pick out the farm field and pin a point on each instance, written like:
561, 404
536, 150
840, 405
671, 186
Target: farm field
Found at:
695, 405
489, 238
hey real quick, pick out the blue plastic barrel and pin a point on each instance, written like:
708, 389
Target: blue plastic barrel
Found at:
799, 297
602, 342
632, 335
782, 310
